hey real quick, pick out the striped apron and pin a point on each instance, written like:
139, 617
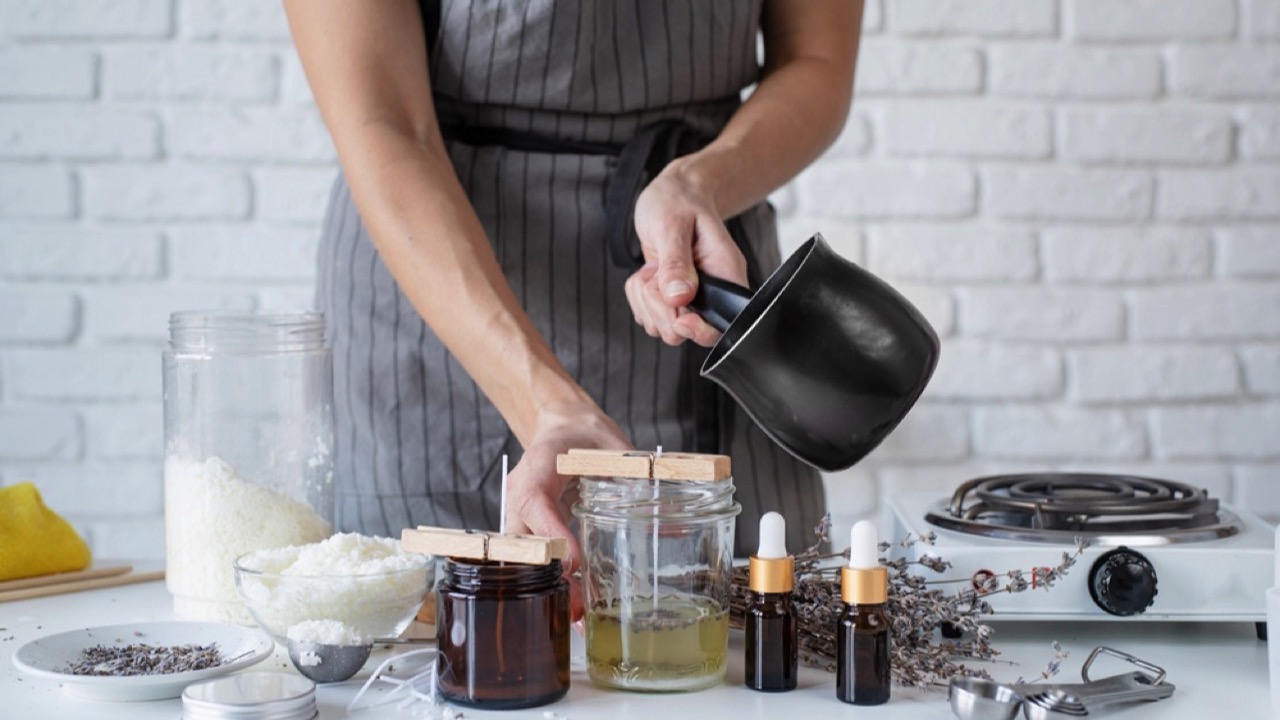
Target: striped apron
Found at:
417, 441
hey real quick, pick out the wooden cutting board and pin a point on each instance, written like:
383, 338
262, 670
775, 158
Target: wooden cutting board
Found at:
56, 584
56, 578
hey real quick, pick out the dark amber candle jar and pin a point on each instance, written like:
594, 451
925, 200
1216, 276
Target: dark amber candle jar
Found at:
503, 634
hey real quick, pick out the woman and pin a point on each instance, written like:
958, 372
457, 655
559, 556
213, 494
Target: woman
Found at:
489, 258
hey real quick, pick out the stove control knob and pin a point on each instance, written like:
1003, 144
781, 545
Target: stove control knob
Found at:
1123, 582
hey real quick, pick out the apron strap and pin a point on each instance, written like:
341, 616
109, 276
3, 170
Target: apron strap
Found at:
639, 162
430, 10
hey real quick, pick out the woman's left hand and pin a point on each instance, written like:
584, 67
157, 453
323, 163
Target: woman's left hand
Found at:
681, 234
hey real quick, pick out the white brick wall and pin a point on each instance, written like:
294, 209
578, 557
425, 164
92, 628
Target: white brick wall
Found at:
1146, 135
1245, 193
1040, 434
44, 132
1067, 193
1151, 20
1055, 70
1083, 196
1125, 255
977, 129
999, 18
1230, 72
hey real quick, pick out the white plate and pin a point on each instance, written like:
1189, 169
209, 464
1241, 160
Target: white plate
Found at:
47, 657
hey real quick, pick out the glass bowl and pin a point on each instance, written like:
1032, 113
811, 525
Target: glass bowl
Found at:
378, 605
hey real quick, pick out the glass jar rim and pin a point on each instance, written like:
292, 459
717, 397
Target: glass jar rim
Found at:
474, 574
246, 331
640, 499
723, 512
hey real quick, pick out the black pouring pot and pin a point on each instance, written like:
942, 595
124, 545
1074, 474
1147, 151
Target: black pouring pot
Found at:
826, 357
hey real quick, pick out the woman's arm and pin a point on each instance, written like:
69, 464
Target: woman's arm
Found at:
366, 63
795, 113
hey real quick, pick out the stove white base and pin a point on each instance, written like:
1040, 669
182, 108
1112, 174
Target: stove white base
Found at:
1211, 580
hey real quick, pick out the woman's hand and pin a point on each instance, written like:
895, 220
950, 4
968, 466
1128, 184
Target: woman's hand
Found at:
796, 111
538, 498
681, 234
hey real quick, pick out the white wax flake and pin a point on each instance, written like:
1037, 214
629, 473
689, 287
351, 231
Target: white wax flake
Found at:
205, 500
343, 554
327, 632
364, 583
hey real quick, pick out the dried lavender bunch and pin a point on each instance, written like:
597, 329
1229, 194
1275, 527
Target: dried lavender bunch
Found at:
918, 606
143, 659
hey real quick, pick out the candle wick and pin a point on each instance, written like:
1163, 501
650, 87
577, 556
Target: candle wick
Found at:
502, 511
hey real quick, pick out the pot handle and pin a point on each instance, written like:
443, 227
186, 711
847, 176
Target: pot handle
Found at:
719, 301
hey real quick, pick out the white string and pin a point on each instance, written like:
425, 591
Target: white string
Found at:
502, 512
656, 509
406, 691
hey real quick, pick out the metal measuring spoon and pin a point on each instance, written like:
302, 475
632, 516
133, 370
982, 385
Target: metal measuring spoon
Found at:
325, 663
1068, 701
976, 699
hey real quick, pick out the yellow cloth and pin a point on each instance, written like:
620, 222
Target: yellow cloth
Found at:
35, 540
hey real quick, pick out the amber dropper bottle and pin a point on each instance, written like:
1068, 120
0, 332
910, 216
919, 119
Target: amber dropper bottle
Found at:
862, 637
771, 625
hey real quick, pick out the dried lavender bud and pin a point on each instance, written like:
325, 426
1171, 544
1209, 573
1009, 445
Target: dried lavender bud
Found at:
143, 659
934, 563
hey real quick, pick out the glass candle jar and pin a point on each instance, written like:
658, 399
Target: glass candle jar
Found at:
658, 562
502, 630
248, 424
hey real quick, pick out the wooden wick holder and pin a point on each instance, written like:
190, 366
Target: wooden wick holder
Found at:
480, 545
695, 467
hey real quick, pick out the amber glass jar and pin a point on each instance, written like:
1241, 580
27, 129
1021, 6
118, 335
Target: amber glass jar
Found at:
503, 634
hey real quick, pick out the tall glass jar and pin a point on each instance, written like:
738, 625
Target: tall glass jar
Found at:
248, 424
658, 562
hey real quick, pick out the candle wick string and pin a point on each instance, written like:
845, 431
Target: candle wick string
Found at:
656, 511
502, 510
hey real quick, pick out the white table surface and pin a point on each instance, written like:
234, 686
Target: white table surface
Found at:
1220, 670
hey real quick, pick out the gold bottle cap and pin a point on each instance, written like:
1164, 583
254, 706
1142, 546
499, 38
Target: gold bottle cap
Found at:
772, 575
865, 581
864, 586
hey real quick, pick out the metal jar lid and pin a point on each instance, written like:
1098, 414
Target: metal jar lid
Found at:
251, 696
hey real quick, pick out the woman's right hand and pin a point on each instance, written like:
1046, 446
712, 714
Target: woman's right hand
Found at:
539, 499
